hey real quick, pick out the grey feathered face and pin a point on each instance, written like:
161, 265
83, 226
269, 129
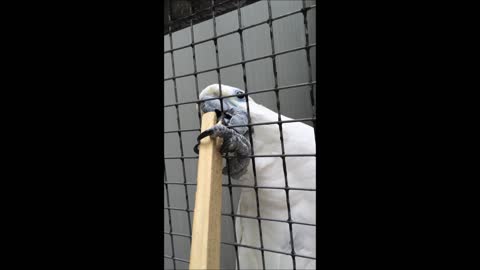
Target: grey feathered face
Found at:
234, 108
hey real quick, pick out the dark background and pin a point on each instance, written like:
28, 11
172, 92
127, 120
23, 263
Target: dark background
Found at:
83, 167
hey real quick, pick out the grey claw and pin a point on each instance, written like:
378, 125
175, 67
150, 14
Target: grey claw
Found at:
227, 146
233, 142
195, 149
204, 134
237, 167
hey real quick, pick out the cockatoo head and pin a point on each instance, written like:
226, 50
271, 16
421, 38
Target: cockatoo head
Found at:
239, 101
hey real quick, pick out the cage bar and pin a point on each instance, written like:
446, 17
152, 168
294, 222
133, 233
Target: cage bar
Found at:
246, 94
284, 166
169, 214
178, 122
241, 62
241, 29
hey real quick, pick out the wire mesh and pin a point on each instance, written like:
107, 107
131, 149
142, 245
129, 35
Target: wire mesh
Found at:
311, 83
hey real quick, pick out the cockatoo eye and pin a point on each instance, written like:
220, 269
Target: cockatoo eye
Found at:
240, 94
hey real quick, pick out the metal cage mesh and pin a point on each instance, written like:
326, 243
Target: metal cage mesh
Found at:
213, 8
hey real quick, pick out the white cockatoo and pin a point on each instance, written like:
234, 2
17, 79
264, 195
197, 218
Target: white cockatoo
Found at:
298, 138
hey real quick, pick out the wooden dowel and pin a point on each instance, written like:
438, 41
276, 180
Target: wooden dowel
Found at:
206, 232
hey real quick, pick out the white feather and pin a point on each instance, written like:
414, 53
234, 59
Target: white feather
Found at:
298, 138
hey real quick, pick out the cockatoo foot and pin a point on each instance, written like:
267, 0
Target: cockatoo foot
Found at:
233, 143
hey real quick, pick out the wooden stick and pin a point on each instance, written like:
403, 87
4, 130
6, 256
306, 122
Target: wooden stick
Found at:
205, 249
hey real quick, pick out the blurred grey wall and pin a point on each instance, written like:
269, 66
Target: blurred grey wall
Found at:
289, 33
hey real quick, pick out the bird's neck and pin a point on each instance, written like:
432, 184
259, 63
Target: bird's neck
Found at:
260, 114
